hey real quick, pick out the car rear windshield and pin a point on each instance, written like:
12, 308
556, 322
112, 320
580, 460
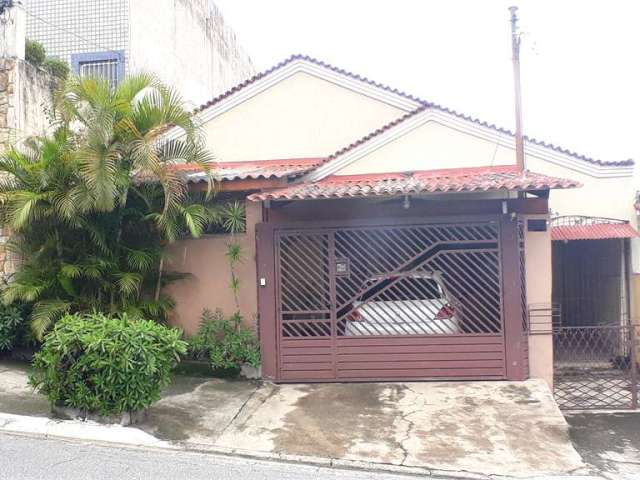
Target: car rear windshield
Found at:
404, 288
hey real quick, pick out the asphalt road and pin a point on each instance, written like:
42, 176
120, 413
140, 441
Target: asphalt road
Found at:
26, 458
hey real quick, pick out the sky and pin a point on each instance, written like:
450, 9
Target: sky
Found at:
580, 58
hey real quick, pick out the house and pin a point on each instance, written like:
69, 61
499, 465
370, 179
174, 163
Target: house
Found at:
117, 37
387, 237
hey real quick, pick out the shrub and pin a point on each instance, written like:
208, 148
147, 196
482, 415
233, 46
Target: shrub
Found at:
11, 322
225, 342
106, 364
35, 53
56, 67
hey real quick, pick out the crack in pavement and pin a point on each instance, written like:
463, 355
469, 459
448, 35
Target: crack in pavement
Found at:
240, 410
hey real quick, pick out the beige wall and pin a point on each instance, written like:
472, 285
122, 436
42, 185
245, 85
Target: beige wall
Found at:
428, 147
301, 116
209, 283
434, 145
598, 197
538, 279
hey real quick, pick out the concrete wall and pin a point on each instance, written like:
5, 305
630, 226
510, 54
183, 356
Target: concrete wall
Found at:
301, 116
189, 45
209, 284
538, 279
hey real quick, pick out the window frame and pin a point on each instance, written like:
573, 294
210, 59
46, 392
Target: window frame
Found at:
78, 59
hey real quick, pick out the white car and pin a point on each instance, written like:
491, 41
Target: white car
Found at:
415, 303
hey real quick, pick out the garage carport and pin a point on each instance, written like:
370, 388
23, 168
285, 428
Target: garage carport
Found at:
595, 344
389, 279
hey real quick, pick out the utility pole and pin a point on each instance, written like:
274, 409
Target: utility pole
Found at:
515, 50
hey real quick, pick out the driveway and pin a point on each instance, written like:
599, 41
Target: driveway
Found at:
499, 428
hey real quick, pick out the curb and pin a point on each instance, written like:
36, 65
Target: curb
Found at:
102, 435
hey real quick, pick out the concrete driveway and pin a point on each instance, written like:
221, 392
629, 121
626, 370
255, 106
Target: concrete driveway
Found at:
498, 428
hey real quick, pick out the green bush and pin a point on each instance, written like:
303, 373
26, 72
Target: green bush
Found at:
35, 53
11, 322
225, 342
106, 364
56, 67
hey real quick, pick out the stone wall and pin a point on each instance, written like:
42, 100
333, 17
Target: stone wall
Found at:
25, 96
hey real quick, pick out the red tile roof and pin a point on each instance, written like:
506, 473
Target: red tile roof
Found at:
478, 179
422, 104
599, 231
255, 169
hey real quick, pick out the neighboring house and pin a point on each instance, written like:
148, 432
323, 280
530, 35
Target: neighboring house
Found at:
386, 236
168, 37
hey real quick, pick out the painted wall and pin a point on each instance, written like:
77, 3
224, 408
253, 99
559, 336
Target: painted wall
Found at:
431, 146
189, 45
208, 286
434, 146
302, 116
538, 279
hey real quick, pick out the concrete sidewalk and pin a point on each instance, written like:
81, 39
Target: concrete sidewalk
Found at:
484, 428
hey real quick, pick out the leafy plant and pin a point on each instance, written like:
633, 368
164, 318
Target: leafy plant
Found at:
106, 364
232, 217
235, 349
224, 342
56, 67
93, 206
10, 326
34, 52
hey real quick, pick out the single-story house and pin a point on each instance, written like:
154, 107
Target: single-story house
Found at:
388, 237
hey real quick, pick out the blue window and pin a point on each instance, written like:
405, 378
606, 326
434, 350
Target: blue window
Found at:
109, 65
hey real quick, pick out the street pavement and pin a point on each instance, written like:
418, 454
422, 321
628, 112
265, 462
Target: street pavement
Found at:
28, 458
608, 442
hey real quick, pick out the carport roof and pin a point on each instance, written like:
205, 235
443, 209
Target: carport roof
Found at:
477, 179
243, 170
598, 231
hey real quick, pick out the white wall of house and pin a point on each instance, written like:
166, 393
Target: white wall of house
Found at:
189, 45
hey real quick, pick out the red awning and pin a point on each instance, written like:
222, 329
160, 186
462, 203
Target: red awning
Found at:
598, 231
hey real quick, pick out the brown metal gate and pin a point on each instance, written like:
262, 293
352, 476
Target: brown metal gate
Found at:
419, 301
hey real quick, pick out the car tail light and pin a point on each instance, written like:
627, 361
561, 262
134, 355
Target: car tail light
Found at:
355, 316
446, 312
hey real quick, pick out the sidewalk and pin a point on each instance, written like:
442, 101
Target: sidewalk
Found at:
468, 429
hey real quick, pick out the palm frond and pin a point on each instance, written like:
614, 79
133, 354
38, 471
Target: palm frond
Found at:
45, 313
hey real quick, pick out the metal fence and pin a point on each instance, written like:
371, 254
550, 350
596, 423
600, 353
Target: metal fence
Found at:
595, 367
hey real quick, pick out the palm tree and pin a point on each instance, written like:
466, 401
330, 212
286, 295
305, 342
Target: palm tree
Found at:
89, 233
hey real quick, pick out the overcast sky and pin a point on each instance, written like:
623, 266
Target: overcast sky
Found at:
580, 59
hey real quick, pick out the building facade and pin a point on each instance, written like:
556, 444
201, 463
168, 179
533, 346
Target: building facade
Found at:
113, 38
